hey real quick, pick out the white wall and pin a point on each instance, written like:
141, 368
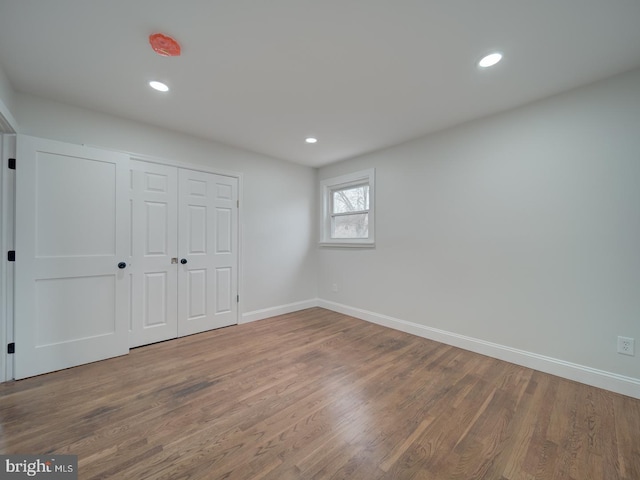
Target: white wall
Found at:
521, 229
278, 214
7, 104
6, 91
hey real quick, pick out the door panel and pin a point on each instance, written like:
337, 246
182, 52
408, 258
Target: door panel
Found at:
207, 238
71, 299
154, 203
68, 300
156, 297
223, 230
61, 196
224, 289
157, 227
197, 295
197, 230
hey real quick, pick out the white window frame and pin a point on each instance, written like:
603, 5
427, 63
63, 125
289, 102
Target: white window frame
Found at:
329, 185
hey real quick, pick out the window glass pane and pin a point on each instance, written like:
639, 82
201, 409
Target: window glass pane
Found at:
351, 199
350, 226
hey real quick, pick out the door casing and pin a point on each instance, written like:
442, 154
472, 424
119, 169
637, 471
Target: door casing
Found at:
166, 215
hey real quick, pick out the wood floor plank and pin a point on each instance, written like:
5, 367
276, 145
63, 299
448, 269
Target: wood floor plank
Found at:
320, 395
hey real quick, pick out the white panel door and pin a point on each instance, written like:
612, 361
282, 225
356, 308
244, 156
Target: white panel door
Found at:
154, 206
207, 239
72, 231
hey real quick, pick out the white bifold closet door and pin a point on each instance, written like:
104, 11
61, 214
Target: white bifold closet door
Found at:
72, 238
207, 244
184, 259
154, 216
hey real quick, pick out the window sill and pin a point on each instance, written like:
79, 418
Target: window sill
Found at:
348, 244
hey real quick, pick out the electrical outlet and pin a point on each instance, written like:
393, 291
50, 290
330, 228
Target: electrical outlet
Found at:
626, 346
334, 288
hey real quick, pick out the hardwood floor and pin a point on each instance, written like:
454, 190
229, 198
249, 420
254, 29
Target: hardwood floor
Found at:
316, 394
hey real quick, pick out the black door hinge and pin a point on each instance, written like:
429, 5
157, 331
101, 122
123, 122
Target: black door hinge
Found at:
11, 348
237, 298
11, 256
12, 164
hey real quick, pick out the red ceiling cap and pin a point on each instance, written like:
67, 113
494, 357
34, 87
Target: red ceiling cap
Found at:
164, 45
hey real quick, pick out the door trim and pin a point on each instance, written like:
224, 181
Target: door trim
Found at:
8, 127
7, 229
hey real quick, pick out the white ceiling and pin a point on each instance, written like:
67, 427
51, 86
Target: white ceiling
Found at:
358, 74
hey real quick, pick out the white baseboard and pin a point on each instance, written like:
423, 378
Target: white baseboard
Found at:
598, 378
279, 310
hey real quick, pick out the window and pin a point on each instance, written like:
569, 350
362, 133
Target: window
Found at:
348, 210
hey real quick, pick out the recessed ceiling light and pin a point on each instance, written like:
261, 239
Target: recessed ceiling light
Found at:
161, 87
490, 60
310, 140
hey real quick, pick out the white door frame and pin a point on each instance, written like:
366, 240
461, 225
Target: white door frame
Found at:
171, 320
8, 129
7, 228
215, 171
